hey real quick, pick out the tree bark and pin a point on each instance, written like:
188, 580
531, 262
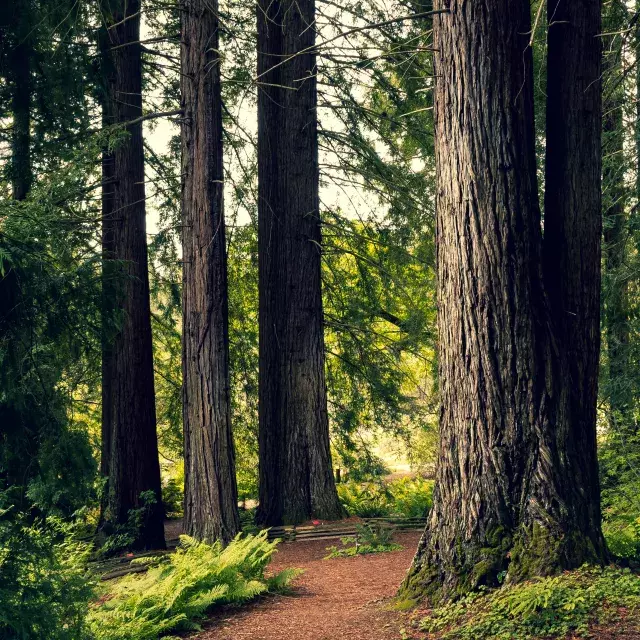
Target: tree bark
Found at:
211, 495
505, 501
573, 218
295, 478
107, 90
133, 461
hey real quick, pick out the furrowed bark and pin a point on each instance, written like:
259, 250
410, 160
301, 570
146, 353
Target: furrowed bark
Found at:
296, 479
211, 495
133, 462
573, 229
504, 503
108, 270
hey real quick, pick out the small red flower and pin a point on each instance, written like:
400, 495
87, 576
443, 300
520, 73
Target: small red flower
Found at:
315, 523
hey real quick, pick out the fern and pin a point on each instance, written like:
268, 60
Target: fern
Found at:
552, 607
180, 590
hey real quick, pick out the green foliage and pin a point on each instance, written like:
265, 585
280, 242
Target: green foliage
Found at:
368, 539
405, 497
182, 587
124, 536
49, 338
546, 607
368, 500
619, 454
44, 590
248, 521
172, 497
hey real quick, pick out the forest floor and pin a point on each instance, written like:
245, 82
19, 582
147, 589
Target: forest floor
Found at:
348, 599
336, 599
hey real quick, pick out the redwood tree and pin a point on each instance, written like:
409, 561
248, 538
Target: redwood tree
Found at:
133, 466
211, 495
295, 479
516, 486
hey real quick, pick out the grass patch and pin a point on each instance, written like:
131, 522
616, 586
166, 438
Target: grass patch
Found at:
543, 608
180, 588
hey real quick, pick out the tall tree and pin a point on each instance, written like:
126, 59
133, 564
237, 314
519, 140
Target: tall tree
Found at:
296, 479
573, 222
133, 465
16, 54
211, 495
106, 87
508, 497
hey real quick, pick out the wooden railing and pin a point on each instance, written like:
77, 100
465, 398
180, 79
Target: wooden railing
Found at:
121, 566
341, 530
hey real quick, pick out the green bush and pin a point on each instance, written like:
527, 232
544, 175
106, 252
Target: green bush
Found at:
173, 497
547, 607
405, 497
248, 521
366, 500
181, 587
124, 536
619, 459
412, 497
368, 539
44, 590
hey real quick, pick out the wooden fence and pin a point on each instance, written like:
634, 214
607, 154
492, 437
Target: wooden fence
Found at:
120, 566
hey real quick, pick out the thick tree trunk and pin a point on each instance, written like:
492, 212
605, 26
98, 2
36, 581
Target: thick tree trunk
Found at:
133, 463
505, 501
211, 495
573, 220
296, 480
21, 170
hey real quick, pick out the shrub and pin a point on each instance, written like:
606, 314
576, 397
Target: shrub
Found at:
173, 497
619, 457
368, 539
368, 500
44, 590
248, 521
181, 587
124, 536
412, 497
547, 607
406, 497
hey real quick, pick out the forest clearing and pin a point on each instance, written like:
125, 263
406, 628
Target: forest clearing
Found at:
319, 319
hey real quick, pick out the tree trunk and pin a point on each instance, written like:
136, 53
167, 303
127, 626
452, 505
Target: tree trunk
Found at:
21, 171
505, 502
211, 495
134, 468
296, 479
107, 89
573, 219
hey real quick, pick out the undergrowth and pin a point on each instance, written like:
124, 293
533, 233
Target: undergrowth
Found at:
405, 497
544, 608
368, 539
178, 589
44, 591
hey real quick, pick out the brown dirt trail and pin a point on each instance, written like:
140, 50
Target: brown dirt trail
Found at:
337, 599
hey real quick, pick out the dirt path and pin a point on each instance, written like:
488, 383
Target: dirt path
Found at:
338, 599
